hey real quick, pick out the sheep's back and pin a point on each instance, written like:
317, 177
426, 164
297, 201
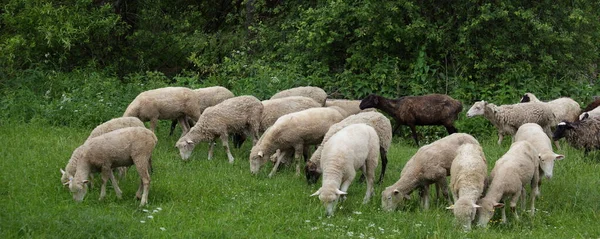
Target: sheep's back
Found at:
275, 108
233, 114
585, 135
316, 93
114, 124
429, 109
119, 146
164, 103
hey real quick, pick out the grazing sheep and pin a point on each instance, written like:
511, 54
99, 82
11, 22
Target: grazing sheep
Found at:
467, 178
293, 132
581, 134
207, 97
534, 134
235, 115
431, 164
516, 168
508, 118
108, 126
563, 108
595, 113
167, 103
275, 108
433, 109
118, 148
350, 106
378, 121
353, 147
316, 93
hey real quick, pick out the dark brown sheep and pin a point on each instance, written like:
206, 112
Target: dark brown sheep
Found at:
432, 109
592, 105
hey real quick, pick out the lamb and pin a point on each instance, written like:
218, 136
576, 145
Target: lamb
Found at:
293, 132
581, 134
353, 147
118, 148
207, 97
316, 93
534, 134
563, 108
167, 103
508, 118
433, 109
235, 115
467, 179
516, 168
431, 164
108, 126
350, 106
378, 121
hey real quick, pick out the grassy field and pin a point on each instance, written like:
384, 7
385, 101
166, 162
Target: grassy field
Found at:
214, 199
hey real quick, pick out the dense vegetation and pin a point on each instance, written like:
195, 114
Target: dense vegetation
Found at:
80, 62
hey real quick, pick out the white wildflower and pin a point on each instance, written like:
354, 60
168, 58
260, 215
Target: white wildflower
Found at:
142, 221
163, 229
357, 212
150, 217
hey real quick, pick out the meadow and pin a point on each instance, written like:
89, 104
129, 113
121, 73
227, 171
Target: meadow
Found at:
215, 199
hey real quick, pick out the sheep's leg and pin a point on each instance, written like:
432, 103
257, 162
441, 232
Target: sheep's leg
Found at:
424, 193
279, 158
534, 189
106, 174
523, 198
369, 171
144, 188
211, 147
451, 129
225, 142
414, 133
173, 125
513, 203
298, 152
504, 215
500, 138
153, 123
443, 187
185, 127
115, 185
346, 184
383, 154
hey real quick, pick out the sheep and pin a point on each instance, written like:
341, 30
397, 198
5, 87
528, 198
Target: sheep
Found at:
293, 132
580, 134
234, 115
595, 113
431, 164
207, 97
108, 126
534, 134
563, 108
432, 109
467, 179
350, 106
353, 147
316, 93
118, 148
378, 121
508, 118
275, 108
168, 103
516, 168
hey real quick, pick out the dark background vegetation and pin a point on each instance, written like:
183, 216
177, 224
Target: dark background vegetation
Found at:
80, 62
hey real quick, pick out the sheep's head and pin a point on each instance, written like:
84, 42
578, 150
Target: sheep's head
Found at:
185, 147
464, 212
547, 162
312, 172
329, 198
391, 198
525, 98
584, 116
78, 188
477, 109
560, 130
369, 102
486, 211
257, 159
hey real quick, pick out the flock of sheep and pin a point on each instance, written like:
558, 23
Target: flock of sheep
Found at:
349, 135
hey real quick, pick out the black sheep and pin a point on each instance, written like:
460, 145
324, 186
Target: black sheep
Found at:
432, 109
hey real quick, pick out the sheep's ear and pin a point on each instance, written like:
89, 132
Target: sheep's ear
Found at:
67, 183
406, 196
476, 206
498, 205
260, 154
85, 181
559, 157
396, 191
189, 142
62, 171
340, 192
451, 207
316, 193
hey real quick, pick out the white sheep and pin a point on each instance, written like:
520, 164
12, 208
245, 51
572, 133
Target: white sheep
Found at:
378, 121
534, 134
352, 148
508, 118
293, 132
564, 108
169, 103
207, 97
467, 178
350, 106
515, 169
108, 126
118, 148
235, 115
275, 108
316, 93
431, 164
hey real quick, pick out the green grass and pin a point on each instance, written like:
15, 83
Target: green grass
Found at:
213, 199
